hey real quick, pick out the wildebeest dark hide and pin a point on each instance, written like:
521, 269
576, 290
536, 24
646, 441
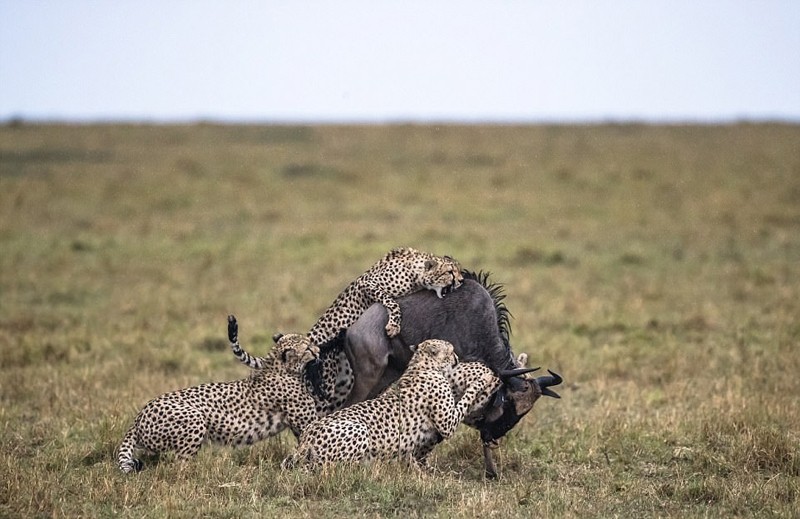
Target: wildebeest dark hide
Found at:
473, 318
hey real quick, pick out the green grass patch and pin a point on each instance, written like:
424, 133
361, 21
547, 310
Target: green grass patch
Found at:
654, 267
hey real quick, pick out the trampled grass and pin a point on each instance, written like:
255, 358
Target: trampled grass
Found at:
656, 268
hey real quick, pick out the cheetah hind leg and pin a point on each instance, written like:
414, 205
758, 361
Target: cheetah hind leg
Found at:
192, 444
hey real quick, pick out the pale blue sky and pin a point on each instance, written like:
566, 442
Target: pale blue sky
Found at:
378, 61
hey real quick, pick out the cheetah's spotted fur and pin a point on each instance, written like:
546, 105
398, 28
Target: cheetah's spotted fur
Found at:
236, 413
400, 272
405, 422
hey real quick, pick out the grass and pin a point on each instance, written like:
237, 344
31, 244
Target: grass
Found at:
655, 267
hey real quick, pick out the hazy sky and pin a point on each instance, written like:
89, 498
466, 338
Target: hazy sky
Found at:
375, 60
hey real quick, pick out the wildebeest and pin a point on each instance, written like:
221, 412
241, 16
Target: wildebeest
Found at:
475, 320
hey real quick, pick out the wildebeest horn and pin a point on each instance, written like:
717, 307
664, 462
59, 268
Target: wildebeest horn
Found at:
508, 373
553, 380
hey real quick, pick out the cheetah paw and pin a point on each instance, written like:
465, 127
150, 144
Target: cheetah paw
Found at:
392, 329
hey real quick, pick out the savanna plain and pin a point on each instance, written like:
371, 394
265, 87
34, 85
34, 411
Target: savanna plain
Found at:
656, 268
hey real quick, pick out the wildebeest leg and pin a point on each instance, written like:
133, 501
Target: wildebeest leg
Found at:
367, 348
488, 460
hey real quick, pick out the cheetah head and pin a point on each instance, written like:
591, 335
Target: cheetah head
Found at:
441, 274
295, 351
435, 352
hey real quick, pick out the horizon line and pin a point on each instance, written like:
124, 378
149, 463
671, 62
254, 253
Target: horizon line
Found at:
21, 120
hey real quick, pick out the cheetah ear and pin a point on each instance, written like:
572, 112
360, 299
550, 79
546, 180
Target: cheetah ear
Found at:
277, 337
413, 348
429, 264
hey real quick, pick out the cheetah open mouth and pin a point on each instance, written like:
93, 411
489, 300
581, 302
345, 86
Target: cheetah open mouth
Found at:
442, 291
449, 288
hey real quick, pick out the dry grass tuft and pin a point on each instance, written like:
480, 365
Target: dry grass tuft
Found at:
654, 267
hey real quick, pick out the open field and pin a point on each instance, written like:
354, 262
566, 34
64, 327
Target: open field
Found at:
656, 268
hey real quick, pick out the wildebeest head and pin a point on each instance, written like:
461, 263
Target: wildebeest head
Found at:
513, 400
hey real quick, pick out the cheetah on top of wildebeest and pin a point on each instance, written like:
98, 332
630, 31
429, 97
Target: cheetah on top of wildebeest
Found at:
404, 422
237, 413
400, 272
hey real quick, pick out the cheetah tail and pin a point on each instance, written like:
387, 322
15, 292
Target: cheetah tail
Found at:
127, 463
244, 357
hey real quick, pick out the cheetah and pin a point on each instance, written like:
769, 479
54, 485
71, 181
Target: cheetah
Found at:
405, 422
400, 272
329, 379
235, 413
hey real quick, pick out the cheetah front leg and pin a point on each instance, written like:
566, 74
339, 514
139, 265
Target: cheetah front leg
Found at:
419, 464
446, 421
300, 410
475, 391
392, 309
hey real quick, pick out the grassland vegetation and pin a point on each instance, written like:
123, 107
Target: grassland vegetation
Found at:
655, 267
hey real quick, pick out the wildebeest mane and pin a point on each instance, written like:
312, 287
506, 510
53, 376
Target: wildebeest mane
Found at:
498, 293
